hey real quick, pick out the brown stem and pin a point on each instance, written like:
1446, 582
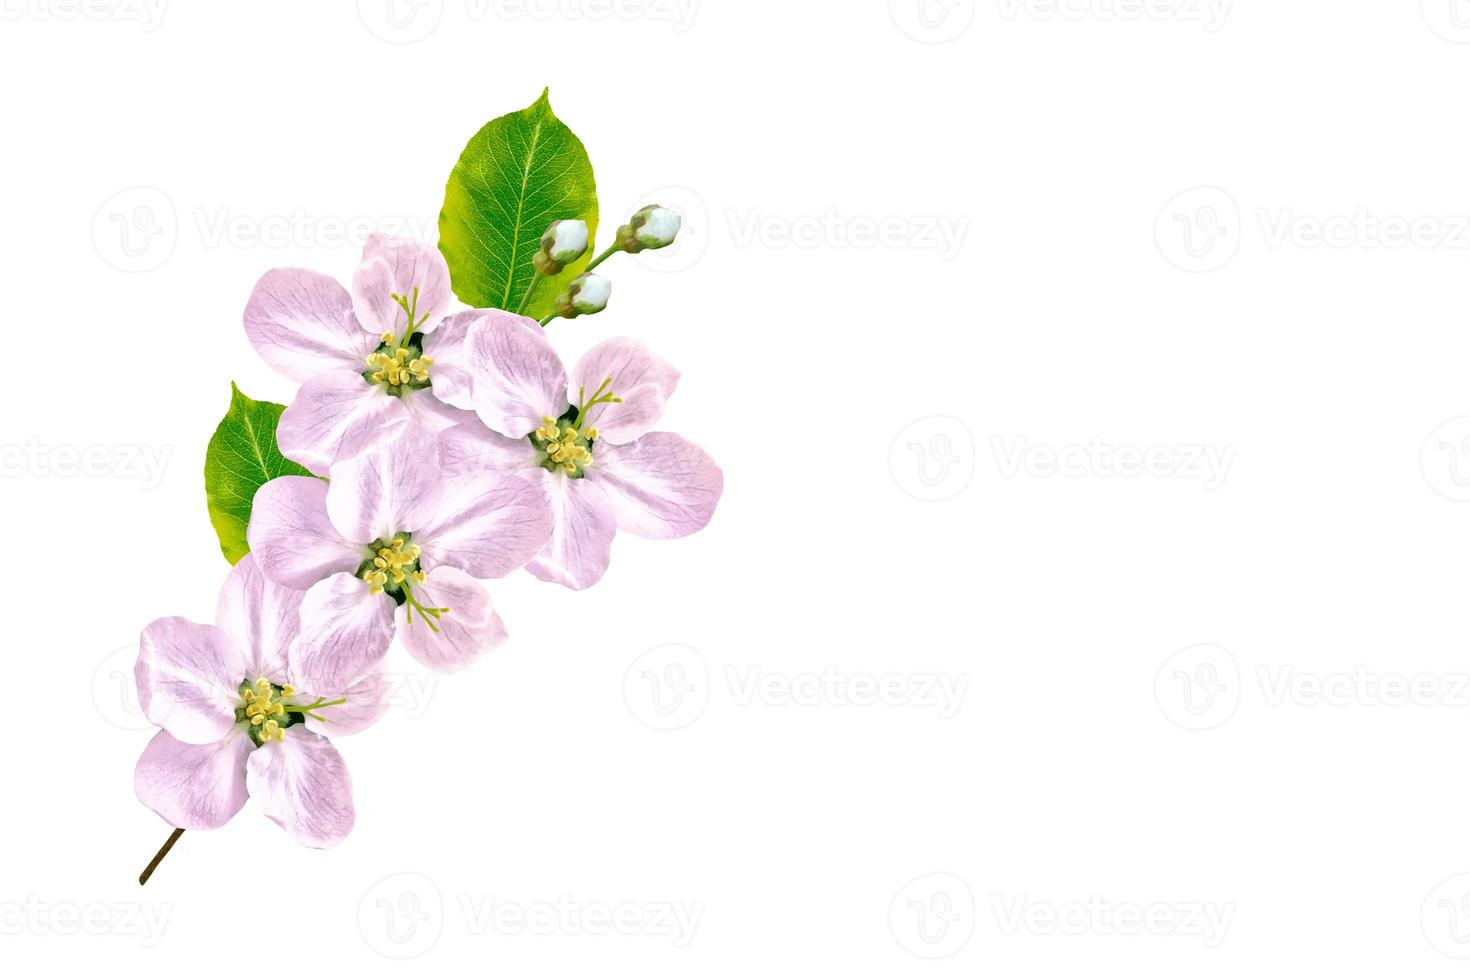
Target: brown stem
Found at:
162, 853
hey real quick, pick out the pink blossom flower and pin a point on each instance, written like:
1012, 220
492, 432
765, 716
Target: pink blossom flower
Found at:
242, 716
585, 441
371, 362
392, 545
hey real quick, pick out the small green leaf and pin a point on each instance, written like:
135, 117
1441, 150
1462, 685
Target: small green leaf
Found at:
242, 455
518, 174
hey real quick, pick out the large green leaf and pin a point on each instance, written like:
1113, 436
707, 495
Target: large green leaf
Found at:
518, 174
242, 455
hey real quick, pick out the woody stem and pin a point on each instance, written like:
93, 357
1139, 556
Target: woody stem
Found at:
162, 853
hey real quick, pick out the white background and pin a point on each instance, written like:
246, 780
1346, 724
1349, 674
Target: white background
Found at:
1165, 229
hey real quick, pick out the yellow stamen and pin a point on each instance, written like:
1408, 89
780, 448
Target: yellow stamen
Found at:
393, 563
261, 708
398, 368
567, 445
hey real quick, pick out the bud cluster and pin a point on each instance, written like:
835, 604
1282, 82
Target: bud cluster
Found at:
568, 240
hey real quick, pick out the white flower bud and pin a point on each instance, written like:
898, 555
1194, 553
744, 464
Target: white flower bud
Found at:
565, 241
657, 228
588, 293
653, 227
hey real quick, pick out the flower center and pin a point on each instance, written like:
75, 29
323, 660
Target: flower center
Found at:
392, 569
565, 445
268, 709
400, 365
405, 367
392, 564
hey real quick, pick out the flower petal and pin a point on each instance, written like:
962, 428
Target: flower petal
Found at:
472, 446
302, 784
661, 486
518, 379
189, 678
467, 632
196, 787
337, 415
346, 630
291, 537
388, 489
396, 267
429, 416
581, 540
367, 701
301, 324
642, 380
488, 524
260, 616
449, 377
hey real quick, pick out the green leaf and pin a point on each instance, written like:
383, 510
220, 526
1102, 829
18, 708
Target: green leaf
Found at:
242, 455
518, 174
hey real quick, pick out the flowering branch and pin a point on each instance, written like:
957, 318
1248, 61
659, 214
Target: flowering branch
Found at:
566, 241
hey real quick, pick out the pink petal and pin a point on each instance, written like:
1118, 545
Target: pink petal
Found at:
293, 541
367, 701
488, 524
337, 415
301, 324
345, 631
662, 486
196, 787
391, 488
395, 266
189, 679
449, 377
472, 446
581, 541
260, 616
428, 416
643, 382
518, 379
302, 784
468, 631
